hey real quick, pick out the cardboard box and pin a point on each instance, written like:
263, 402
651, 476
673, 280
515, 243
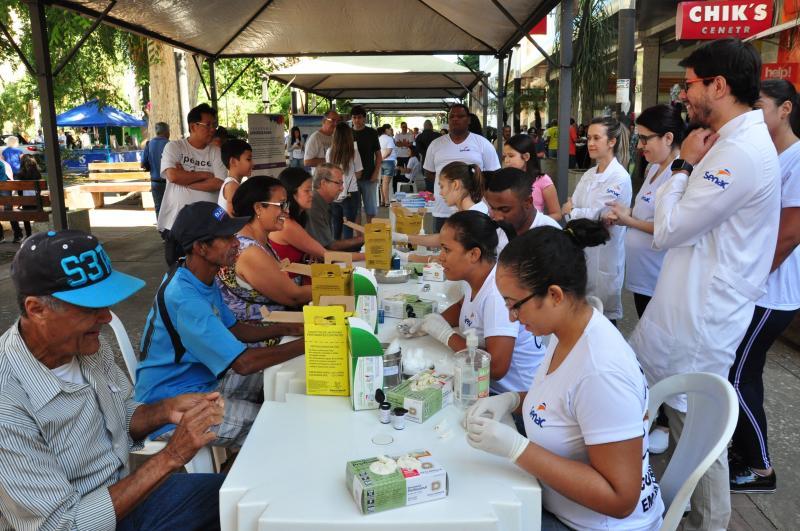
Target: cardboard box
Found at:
433, 273
330, 279
402, 306
407, 221
374, 492
378, 245
422, 403
326, 344
365, 365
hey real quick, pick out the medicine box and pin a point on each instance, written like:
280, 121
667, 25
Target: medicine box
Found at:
326, 345
423, 395
433, 273
365, 365
375, 492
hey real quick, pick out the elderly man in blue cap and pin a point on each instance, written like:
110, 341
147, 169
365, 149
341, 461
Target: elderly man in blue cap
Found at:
67, 417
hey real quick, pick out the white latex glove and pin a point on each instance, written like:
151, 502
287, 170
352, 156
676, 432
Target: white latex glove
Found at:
399, 237
410, 327
496, 438
436, 326
493, 407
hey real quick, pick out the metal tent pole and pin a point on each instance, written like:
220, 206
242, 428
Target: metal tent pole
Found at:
564, 99
501, 103
625, 56
212, 81
44, 80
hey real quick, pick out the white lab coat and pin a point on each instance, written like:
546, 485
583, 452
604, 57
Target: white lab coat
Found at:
720, 227
605, 264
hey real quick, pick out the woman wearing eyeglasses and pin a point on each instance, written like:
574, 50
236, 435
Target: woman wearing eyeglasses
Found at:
468, 242
661, 131
256, 280
584, 411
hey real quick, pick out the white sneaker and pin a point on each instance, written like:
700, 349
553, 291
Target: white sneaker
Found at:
659, 440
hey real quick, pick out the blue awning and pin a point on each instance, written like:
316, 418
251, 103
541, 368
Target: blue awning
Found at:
90, 114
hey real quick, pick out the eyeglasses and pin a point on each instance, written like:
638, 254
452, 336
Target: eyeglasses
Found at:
687, 82
336, 121
208, 126
515, 308
283, 205
644, 139
337, 183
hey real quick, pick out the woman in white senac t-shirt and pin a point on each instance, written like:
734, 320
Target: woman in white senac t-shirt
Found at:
468, 241
584, 412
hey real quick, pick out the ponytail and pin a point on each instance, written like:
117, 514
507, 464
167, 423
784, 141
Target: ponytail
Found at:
469, 175
617, 131
548, 256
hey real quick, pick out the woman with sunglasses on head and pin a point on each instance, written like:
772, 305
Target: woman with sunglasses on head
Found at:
585, 410
255, 280
520, 152
607, 181
468, 240
293, 242
749, 460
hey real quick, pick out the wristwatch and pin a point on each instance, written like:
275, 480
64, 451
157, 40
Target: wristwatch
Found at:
681, 165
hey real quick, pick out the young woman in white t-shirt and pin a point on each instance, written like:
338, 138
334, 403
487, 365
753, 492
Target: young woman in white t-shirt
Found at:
661, 130
750, 464
469, 242
608, 181
584, 412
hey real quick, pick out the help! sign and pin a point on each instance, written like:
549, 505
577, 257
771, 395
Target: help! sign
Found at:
722, 18
787, 71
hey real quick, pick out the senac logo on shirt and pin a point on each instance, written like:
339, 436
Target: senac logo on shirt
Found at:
537, 413
647, 197
614, 191
717, 177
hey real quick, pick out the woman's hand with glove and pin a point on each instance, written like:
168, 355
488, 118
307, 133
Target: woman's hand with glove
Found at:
399, 237
411, 327
496, 438
435, 326
493, 407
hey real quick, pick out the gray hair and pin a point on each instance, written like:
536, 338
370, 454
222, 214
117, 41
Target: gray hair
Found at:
323, 172
162, 128
12, 141
47, 300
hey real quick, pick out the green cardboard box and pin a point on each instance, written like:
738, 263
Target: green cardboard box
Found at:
422, 404
374, 492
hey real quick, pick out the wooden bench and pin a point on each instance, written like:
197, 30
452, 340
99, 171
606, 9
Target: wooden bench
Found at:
117, 178
39, 200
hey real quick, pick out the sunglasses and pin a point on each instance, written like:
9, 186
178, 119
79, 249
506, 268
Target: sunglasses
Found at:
283, 205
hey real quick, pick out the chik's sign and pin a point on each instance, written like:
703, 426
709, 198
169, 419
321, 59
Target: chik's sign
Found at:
722, 18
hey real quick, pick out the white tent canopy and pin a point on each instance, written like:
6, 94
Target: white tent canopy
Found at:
393, 76
252, 28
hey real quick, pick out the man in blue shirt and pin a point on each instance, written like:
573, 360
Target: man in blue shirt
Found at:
151, 161
191, 339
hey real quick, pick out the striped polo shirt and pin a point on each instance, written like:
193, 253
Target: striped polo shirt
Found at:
61, 444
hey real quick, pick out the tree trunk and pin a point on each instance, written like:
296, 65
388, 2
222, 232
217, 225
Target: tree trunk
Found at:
165, 103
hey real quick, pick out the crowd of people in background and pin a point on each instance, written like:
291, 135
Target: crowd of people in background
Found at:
706, 245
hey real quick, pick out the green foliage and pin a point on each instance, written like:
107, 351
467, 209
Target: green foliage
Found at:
470, 61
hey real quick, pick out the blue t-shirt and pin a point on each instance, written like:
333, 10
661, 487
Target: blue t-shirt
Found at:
12, 156
152, 155
202, 320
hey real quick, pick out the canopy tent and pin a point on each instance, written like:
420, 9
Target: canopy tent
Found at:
276, 28
374, 77
91, 114
405, 105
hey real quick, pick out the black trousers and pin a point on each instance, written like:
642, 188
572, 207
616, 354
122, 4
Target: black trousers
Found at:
750, 437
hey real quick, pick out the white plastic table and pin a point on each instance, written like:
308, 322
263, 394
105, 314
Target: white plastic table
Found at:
290, 474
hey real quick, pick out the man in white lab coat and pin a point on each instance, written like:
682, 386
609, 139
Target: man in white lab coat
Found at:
717, 217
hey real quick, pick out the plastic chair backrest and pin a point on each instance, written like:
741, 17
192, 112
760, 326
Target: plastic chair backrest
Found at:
286, 377
125, 346
595, 303
711, 415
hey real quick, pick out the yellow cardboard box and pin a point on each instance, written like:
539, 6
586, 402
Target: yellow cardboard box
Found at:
332, 279
378, 245
407, 221
327, 353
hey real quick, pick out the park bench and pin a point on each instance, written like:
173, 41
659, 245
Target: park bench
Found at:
117, 178
39, 199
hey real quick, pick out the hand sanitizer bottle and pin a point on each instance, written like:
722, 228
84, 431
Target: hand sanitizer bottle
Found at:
471, 372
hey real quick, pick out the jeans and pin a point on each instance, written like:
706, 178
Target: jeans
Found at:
157, 189
337, 213
369, 195
351, 208
183, 501
295, 163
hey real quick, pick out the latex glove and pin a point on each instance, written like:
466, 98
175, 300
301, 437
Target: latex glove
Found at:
411, 327
496, 438
435, 326
494, 407
399, 237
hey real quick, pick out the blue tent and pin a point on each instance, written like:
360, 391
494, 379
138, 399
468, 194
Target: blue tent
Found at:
90, 114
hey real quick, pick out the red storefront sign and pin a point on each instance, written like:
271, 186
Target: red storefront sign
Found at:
716, 19
787, 71
540, 28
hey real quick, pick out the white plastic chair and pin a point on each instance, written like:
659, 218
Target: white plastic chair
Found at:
595, 303
710, 420
203, 461
411, 187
